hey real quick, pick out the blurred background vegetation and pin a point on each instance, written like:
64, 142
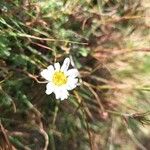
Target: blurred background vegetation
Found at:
109, 42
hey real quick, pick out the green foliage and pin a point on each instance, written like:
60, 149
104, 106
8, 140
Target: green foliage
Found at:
109, 44
4, 47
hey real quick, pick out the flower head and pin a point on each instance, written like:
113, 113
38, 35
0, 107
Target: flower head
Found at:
60, 79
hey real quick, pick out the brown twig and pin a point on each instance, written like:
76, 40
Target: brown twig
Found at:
86, 121
43, 46
5, 137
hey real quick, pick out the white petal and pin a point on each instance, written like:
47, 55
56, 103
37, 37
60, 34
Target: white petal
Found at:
64, 95
57, 66
72, 73
50, 68
49, 88
61, 93
72, 83
46, 74
57, 93
65, 64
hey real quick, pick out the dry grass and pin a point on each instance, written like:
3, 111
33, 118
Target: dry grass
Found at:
109, 42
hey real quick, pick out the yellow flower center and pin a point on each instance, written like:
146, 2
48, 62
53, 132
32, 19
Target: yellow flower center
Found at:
59, 78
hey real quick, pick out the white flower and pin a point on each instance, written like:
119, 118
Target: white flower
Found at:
60, 79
